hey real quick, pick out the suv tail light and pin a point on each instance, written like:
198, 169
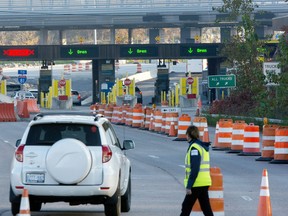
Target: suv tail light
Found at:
19, 153
79, 97
106, 154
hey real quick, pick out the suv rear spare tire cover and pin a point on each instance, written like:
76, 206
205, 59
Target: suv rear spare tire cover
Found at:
68, 161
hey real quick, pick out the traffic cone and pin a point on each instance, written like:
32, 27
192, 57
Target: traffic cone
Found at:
24, 205
172, 130
264, 206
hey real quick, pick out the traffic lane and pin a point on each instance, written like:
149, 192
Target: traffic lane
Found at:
12, 131
242, 175
151, 192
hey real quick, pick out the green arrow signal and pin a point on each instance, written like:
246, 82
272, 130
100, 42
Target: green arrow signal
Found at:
190, 50
130, 51
70, 52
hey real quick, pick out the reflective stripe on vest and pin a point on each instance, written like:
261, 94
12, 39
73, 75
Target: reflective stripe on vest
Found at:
203, 177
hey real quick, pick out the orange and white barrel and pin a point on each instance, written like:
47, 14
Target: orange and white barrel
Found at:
74, 67
216, 194
129, 114
171, 117
237, 136
87, 66
251, 142
137, 117
102, 108
66, 68
124, 114
116, 115
225, 134
163, 122
268, 140
183, 123
281, 146
139, 68
157, 120
80, 66
108, 112
148, 112
202, 125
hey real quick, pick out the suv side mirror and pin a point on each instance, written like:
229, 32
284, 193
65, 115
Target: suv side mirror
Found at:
128, 144
18, 142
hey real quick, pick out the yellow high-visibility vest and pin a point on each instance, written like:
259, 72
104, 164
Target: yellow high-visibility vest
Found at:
203, 178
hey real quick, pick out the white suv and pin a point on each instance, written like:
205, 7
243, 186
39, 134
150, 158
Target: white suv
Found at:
74, 158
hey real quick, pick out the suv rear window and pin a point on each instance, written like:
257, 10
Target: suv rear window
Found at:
48, 134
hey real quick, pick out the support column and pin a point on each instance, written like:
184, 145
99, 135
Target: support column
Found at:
225, 34
62, 37
213, 69
103, 76
185, 36
129, 36
112, 36
153, 34
43, 37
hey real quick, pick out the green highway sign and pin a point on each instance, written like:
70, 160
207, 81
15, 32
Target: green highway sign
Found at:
222, 81
197, 50
141, 51
79, 52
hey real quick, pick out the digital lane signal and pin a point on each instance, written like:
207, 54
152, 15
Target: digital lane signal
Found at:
19, 52
138, 51
79, 52
197, 50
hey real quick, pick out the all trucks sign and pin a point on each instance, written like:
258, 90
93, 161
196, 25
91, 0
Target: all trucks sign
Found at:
271, 69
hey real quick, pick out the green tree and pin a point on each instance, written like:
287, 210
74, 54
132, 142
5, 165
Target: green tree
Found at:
282, 80
243, 52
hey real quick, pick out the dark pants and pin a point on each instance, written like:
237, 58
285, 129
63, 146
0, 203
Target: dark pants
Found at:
200, 193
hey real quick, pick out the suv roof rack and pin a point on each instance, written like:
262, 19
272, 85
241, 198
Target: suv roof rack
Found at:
41, 115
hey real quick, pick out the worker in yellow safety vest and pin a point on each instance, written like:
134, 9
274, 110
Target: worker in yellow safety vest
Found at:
197, 174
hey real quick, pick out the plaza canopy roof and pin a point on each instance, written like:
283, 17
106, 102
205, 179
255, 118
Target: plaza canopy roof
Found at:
81, 14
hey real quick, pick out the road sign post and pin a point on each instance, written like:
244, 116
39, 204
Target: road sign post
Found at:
222, 81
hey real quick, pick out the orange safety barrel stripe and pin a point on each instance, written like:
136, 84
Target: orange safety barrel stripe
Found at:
171, 117
216, 194
238, 136
251, 144
183, 123
225, 133
281, 145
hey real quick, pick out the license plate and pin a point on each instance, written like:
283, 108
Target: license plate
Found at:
35, 177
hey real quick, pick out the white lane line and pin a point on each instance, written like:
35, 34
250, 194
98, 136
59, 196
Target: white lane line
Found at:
153, 156
183, 166
6, 141
247, 198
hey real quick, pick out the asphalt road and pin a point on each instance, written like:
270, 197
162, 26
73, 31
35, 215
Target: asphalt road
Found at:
157, 175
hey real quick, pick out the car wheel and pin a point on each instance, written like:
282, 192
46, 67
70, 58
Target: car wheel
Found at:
126, 198
15, 202
113, 206
15, 208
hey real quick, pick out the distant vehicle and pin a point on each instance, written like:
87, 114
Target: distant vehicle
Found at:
21, 95
34, 92
12, 88
76, 97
